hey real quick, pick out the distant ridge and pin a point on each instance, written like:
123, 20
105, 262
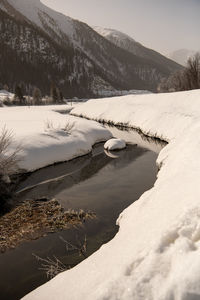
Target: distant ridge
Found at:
181, 56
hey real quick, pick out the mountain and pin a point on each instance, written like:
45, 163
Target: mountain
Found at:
181, 56
124, 41
40, 46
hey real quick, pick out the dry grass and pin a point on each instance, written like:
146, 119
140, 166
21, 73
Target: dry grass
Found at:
8, 160
35, 218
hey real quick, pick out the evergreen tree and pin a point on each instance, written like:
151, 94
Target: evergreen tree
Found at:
60, 95
55, 94
19, 95
37, 96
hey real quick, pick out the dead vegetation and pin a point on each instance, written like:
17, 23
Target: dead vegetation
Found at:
8, 159
67, 128
183, 80
33, 219
53, 266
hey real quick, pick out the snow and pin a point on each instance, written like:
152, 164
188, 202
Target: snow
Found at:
108, 32
5, 95
115, 144
36, 11
46, 136
120, 39
156, 253
137, 139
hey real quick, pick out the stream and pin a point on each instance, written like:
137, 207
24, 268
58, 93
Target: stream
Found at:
102, 182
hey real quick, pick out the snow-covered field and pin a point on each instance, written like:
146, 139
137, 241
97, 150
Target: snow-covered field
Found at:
46, 136
156, 253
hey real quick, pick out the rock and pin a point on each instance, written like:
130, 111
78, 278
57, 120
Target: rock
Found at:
115, 144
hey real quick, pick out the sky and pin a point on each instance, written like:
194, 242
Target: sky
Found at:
163, 25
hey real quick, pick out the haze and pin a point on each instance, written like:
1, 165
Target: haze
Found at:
159, 24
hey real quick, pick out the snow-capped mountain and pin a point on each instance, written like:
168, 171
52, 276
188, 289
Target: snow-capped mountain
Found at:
40, 46
181, 56
120, 39
126, 42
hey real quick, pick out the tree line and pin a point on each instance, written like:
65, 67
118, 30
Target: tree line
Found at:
184, 80
36, 98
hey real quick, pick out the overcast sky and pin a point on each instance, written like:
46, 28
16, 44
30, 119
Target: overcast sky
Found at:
164, 25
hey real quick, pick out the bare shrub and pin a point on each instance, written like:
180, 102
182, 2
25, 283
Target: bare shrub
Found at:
51, 266
80, 246
193, 72
8, 160
48, 125
184, 80
67, 128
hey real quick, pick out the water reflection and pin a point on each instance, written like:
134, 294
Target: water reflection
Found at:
50, 181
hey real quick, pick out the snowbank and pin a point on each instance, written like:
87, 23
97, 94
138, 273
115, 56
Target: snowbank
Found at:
46, 136
156, 253
115, 144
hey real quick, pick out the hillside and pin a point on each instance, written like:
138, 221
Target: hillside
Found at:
124, 41
37, 40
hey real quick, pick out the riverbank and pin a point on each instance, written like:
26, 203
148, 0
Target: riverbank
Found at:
45, 136
95, 182
156, 253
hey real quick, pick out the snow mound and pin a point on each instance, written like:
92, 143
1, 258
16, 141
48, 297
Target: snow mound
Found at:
115, 144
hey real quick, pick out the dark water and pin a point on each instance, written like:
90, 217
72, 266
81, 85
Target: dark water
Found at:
103, 183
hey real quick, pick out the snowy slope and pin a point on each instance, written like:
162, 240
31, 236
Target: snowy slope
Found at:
42, 16
108, 32
43, 136
127, 43
119, 38
156, 253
